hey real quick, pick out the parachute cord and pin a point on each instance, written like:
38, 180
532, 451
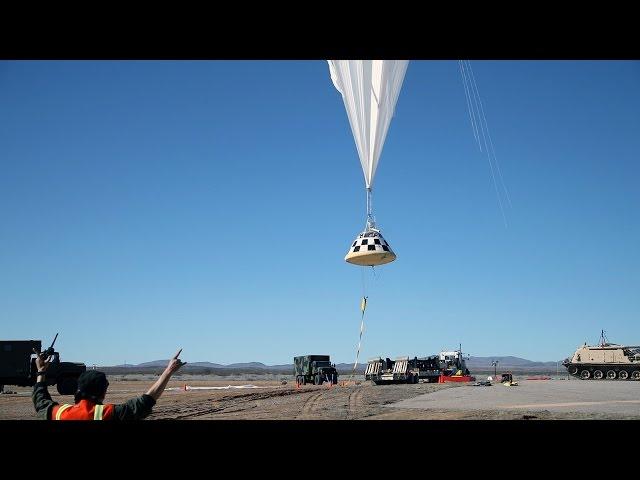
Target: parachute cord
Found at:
483, 127
495, 160
371, 223
471, 88
474, 127
363, 307
484, 139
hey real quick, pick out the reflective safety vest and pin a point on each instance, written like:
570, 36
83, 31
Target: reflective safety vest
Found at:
83, 410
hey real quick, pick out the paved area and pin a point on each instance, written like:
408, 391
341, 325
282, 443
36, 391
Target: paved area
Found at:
605, 397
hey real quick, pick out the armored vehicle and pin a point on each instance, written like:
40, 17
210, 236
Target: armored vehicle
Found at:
605, 361
315, 369
18, 366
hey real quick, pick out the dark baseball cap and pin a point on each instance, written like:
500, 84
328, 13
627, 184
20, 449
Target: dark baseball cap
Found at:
93, 383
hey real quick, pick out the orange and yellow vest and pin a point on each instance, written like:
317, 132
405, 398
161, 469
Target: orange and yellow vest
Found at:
83, 410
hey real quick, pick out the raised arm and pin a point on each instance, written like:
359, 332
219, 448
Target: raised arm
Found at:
41, 399
157, 388
140, 407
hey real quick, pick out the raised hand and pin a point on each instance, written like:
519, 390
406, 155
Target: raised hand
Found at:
175, 363
42, 360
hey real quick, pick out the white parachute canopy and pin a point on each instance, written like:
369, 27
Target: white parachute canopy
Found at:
370, 90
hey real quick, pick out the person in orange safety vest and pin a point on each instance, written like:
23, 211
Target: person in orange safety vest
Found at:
90, 395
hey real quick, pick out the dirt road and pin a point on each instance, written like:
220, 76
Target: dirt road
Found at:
272, 400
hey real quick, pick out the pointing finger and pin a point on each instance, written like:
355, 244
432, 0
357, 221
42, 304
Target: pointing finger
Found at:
177, 354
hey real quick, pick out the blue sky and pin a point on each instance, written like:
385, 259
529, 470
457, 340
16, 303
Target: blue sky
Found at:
208, 205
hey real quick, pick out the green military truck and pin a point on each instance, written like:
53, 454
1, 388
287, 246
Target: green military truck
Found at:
18, 366
315, 369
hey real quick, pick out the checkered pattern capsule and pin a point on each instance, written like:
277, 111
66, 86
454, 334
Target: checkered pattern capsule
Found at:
370, 248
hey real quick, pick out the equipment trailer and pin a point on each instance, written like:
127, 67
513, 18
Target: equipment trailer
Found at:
444, 367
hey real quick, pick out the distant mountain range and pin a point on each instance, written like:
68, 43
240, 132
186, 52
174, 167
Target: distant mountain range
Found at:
474, 363
505, 362
248, 366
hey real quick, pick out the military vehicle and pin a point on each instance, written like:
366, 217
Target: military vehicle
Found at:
605, 361
405, 370
315, 369
18, 366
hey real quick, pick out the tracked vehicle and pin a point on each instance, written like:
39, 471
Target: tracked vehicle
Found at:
606, 360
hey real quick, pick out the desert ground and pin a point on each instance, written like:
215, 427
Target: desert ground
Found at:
271, 399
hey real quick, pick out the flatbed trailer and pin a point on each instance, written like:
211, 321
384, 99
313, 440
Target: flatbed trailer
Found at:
402, 370
441, 368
